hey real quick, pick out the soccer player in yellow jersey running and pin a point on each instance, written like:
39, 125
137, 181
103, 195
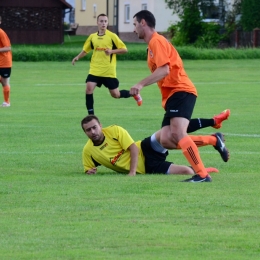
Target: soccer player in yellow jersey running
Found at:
115, 149
105, 45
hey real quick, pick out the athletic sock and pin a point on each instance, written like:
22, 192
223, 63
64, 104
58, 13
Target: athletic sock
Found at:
198, 123
90, 104
191, 152
124, 93
6, 93
202, 140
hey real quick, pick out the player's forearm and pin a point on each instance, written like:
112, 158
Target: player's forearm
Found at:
134, 159
81, 54
156, 76
133, 166
119, 51
5, 49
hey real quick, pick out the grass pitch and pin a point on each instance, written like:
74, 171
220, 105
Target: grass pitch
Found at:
50, 210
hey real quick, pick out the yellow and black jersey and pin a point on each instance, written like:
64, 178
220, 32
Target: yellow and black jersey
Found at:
103, 65
113, 153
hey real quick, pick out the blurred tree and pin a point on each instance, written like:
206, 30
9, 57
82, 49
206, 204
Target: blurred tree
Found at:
250, 11
237, 6
206, 7
191, 14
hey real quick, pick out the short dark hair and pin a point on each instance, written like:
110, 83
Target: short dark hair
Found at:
101, 15
147, 16
87, 119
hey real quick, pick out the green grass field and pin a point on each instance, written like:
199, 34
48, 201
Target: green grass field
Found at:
49, 209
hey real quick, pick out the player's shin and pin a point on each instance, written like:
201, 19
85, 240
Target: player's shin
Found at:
191, 152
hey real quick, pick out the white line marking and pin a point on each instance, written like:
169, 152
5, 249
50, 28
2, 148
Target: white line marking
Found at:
39, 152
146, 131
170, 151
203, 133
224, 83
214, 152
230, 134
122, 83
244, 135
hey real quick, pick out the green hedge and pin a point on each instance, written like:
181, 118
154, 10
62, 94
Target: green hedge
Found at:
43, 53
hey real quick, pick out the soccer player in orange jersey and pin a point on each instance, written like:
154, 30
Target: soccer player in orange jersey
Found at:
5, 65
178, 97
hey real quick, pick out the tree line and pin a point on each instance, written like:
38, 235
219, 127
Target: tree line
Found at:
225, 17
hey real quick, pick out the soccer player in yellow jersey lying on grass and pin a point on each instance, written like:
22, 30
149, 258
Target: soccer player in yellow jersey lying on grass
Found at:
115, 149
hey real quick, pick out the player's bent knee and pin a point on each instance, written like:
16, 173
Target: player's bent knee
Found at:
168, 144
115, 95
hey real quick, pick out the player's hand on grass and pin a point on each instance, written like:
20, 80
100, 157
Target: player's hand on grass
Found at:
92, 171
131, 174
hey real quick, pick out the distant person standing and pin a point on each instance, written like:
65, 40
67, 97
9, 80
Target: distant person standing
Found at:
5, 65
105, 45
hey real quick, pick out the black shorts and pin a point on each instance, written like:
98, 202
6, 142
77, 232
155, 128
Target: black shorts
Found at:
5, 72
110, 83
155, 162
180, 104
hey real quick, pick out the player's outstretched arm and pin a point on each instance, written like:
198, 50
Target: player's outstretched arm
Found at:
80, 55
5, 49
134, 151
156, 76
116, 51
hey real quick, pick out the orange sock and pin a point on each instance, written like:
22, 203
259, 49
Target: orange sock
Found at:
201, 140
6, 93
191, 152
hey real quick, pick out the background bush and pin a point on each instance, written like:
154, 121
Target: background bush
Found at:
136, 51
210, 36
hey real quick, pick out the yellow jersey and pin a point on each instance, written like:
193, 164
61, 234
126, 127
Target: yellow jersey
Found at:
113, 153
103, 65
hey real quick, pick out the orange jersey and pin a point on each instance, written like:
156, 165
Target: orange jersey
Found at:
5, 57
160, 53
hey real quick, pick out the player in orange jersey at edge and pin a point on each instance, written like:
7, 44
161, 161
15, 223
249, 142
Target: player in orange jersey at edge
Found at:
5, 65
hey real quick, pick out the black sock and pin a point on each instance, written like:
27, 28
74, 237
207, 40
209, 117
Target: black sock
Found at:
124, 94
90, 104
198, 123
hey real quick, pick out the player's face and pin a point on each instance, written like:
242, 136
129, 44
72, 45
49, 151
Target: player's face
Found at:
138, 29
102, 22
94, 131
